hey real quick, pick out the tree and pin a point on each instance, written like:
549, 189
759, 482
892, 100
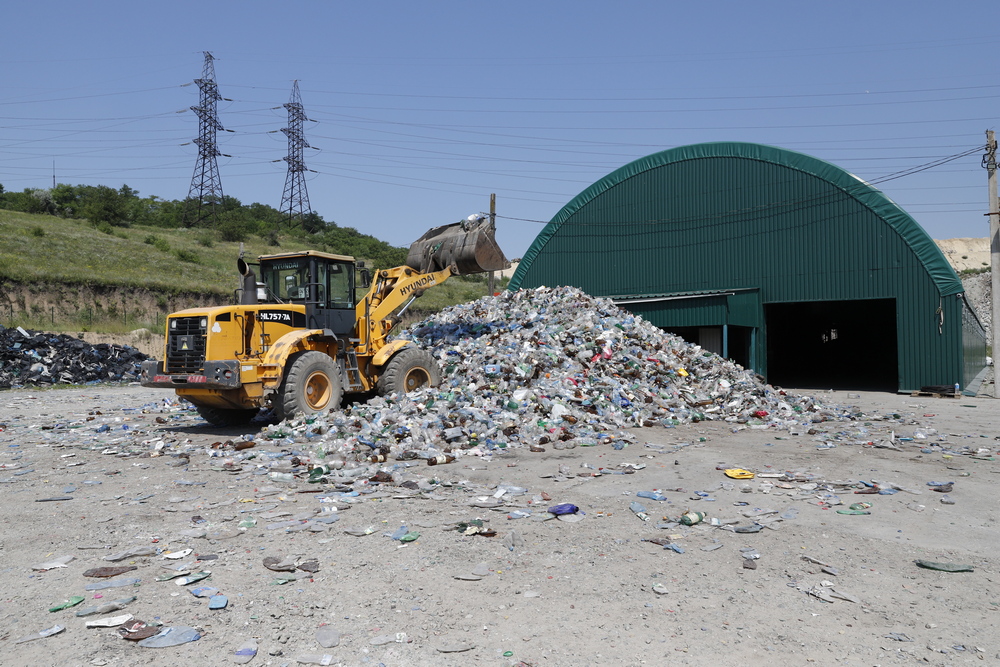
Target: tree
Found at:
313, 223
235, 225
43, 199
106, 204
68, 199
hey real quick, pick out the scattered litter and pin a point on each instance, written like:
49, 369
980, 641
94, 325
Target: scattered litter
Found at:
41, 634
71, 602
943, 567
62, 561
135, 630
106, 608
111, 583
106, 572
131, 553
246, 652
172, 636
328, 636
109, 622
459, 647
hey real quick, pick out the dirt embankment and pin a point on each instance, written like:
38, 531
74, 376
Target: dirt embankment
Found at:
148, 343
70, 306
964, 254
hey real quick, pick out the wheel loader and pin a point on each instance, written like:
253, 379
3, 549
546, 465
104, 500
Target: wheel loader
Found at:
314, 327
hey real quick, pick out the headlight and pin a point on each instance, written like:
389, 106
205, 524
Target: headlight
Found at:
204, 323
173, 324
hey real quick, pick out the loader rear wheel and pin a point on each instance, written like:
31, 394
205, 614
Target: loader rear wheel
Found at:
225, 416
312, 384
408, 370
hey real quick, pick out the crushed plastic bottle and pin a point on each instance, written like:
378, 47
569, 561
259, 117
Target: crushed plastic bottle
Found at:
639, 510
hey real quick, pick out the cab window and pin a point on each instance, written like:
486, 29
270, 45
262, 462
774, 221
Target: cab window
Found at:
287, 279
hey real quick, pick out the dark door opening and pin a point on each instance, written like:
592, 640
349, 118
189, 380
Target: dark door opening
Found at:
833, 344
740, 342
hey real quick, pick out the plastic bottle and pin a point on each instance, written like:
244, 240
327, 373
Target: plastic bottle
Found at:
317, 473
652, 495
691, 518
639, 510
440, 459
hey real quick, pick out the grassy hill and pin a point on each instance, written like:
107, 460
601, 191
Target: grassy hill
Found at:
66, 275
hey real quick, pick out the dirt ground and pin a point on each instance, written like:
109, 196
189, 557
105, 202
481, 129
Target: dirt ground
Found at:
827, 588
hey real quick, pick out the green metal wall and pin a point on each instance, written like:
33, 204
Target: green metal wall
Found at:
735, 216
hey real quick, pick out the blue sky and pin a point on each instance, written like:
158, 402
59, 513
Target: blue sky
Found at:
422, 110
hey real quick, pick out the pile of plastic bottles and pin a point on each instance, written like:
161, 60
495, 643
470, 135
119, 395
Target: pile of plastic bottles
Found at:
546, 367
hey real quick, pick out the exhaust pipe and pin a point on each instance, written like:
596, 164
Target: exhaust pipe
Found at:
248, 296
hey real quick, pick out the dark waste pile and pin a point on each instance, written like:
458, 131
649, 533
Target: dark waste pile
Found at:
548, 367
35, 358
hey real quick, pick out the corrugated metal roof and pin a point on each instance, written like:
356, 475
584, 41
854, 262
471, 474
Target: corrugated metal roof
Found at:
766, 193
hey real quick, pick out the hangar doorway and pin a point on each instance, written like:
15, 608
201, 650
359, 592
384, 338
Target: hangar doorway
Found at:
833, 344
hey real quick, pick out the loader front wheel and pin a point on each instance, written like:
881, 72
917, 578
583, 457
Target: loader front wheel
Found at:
225, 416
312, 384
408, 370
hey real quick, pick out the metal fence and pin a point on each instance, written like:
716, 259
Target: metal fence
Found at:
83, 319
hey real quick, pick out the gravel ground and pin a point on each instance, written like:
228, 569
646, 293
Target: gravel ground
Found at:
552, 592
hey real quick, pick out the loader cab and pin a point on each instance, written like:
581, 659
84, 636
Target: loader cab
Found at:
322, 282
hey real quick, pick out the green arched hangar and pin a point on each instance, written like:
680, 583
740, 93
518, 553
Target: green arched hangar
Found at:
782, 262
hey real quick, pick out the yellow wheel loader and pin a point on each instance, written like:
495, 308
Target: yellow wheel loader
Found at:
315, 326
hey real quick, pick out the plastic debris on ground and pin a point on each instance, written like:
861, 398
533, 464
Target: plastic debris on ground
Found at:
29, 358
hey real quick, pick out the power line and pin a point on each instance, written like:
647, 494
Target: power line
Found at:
810, 201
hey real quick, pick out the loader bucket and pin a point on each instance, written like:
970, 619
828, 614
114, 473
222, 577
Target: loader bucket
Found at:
470, 246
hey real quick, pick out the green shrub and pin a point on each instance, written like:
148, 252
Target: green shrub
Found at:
187, 256
157, 242
234, 229
106, 228
205, 239
37, 231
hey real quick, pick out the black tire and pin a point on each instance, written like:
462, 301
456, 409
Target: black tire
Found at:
226, 417
408, 370
312, 384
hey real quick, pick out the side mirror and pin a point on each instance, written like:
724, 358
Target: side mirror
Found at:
366, 278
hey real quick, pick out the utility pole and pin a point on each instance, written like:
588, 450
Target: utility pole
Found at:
990, 163
491, 281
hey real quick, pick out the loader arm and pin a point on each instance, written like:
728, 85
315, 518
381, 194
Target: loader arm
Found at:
390, 290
